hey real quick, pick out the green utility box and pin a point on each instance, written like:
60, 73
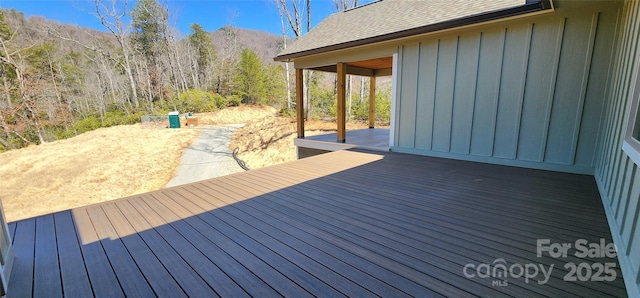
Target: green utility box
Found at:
174, 119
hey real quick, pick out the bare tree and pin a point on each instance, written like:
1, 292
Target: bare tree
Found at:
15, 60
342, 5
229, 52
286, 64
293, 11
112, 19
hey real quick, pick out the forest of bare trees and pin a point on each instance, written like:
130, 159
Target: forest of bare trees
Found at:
62, 80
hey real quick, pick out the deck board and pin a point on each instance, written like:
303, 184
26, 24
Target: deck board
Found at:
178, 267
21, 280
151, 268
484, 197
102, 277
75, 281
404, 232
333, 263
314, 237
348, 223
262, 260
46, 280
131, 279
229, 256
407, 205
12, 230
296, 258
210, 272
330, 219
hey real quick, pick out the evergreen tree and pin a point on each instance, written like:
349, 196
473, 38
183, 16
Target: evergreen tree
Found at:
205, 51
250, 80
276, 88
147, 37
147, 29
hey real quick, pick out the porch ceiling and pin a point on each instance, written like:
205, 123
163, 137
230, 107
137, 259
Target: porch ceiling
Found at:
371, 67
377, 63
343, 223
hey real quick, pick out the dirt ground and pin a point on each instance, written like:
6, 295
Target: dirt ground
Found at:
269, 140
101, 165
236, 115
121, 161
96, 166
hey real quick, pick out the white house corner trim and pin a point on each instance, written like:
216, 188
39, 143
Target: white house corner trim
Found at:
394, 100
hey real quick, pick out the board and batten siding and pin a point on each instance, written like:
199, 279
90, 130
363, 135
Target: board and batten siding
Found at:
526, 92
617, 176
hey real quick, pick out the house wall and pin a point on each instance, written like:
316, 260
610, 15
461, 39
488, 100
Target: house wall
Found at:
618, 177
524, 92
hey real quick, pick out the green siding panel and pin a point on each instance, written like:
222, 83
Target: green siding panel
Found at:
514, 67
567, 100
620, 203
617, 176
487, 90
634, 239
464, 93
590, 131
428, 65
541, 76
630, 212
446, 74
629, 227
408, 89
523, 90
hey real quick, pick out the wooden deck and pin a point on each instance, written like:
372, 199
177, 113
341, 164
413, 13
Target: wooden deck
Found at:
346, 223
369, 138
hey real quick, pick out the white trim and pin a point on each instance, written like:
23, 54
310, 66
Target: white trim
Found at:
585, 170
631, 150
394, 100
331, 146
631, 145
321, 145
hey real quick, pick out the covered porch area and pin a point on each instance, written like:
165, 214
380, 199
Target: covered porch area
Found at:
346, 223
372, 138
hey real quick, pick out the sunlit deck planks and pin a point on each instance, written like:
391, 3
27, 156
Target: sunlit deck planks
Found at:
343, 223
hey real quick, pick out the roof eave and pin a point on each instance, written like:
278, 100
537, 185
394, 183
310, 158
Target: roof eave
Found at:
465, 21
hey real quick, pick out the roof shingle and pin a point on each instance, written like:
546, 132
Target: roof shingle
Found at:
390, 16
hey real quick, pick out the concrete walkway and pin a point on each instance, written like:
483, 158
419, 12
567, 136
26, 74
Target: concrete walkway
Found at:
208, 157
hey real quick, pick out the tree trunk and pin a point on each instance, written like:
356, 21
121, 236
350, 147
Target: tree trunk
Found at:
307, 94
7, 93
286, 66
35, 121
5, 143
349, 95
362, 89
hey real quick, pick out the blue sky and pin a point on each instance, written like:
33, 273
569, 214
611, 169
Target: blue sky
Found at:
211, 14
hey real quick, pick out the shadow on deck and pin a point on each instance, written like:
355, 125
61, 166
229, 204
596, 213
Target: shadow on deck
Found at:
349, 223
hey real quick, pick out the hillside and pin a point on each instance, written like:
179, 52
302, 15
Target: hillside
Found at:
265, 44
36, 30
62, 80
